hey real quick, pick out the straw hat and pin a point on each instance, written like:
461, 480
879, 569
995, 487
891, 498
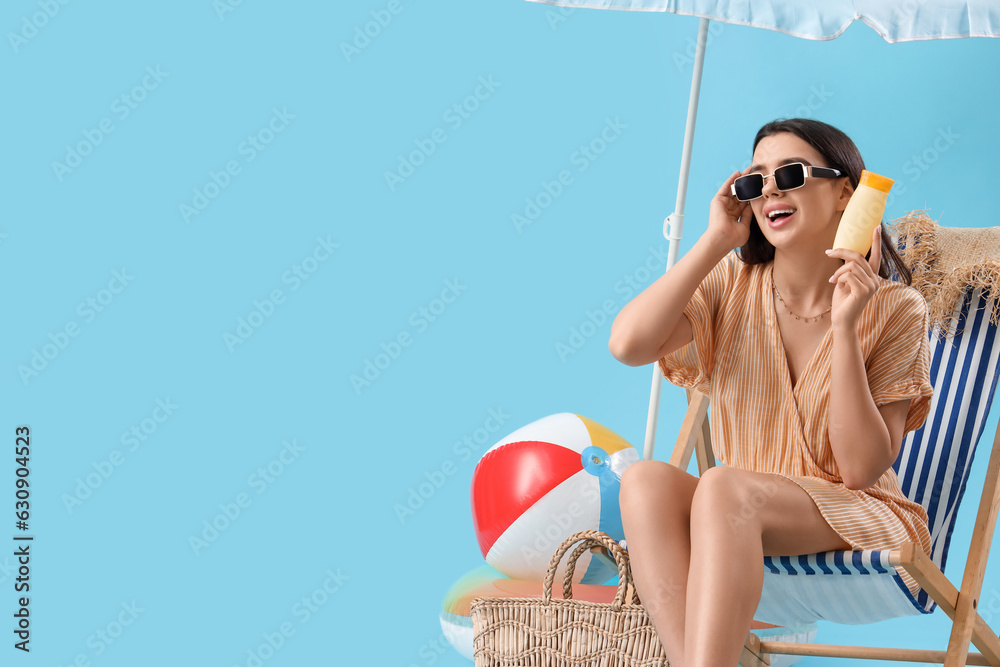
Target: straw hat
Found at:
945, 261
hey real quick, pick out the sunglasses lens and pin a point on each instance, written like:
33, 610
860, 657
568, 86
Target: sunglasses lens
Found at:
789, 177
749, 187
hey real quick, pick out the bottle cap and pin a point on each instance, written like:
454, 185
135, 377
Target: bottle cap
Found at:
873, 180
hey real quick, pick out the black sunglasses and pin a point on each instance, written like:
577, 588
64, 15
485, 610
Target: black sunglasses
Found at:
786, 177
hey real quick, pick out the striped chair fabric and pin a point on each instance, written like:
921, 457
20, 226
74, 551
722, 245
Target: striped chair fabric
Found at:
933, 468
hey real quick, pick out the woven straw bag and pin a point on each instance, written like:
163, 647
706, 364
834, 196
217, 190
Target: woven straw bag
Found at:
512, 632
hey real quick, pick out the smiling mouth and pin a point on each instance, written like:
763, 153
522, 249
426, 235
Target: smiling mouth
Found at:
778, 220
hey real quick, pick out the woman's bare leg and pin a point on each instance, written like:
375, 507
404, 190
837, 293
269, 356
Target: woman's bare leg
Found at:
655, 504
738, 518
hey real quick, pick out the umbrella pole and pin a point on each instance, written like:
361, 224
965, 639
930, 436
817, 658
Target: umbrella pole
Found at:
673, 226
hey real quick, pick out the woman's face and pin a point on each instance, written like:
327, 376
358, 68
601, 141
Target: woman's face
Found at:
816, 206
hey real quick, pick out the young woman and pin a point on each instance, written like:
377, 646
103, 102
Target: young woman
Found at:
816, 364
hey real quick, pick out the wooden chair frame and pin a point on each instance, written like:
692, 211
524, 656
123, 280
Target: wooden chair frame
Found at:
960, 604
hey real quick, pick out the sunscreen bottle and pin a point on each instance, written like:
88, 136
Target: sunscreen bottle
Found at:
863, 213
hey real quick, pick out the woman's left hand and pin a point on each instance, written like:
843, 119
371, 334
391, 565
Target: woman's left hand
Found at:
856, 281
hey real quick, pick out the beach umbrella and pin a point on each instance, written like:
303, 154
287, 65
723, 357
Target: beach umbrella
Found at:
894, 20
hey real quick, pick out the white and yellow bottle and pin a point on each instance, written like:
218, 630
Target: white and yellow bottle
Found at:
863, 213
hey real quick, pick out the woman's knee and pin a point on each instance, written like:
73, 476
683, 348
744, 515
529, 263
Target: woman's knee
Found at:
718, 488
727, 494
644, 483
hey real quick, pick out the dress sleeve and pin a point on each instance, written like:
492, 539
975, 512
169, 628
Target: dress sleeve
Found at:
899, 366
691, 365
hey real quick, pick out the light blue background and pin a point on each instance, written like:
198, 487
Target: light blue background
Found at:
558, 82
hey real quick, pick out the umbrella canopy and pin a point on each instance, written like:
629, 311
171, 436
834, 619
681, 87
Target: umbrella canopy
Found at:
895, 21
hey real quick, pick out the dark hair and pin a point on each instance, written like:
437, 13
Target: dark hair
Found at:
840, 153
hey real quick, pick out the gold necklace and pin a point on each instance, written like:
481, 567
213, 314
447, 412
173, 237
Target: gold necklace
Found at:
804, 319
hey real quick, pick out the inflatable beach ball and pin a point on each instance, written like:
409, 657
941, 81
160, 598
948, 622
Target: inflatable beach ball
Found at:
542, 483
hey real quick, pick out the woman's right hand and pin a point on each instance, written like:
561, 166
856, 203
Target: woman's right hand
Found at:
728, 217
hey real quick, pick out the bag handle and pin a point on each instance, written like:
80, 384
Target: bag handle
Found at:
614, 548
591, 539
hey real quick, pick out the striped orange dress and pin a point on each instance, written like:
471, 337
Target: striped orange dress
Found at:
761, 423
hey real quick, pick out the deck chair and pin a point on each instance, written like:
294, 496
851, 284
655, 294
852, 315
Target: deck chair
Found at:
954, 269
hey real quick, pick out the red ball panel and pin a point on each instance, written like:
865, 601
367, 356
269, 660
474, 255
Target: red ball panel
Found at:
510, 479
